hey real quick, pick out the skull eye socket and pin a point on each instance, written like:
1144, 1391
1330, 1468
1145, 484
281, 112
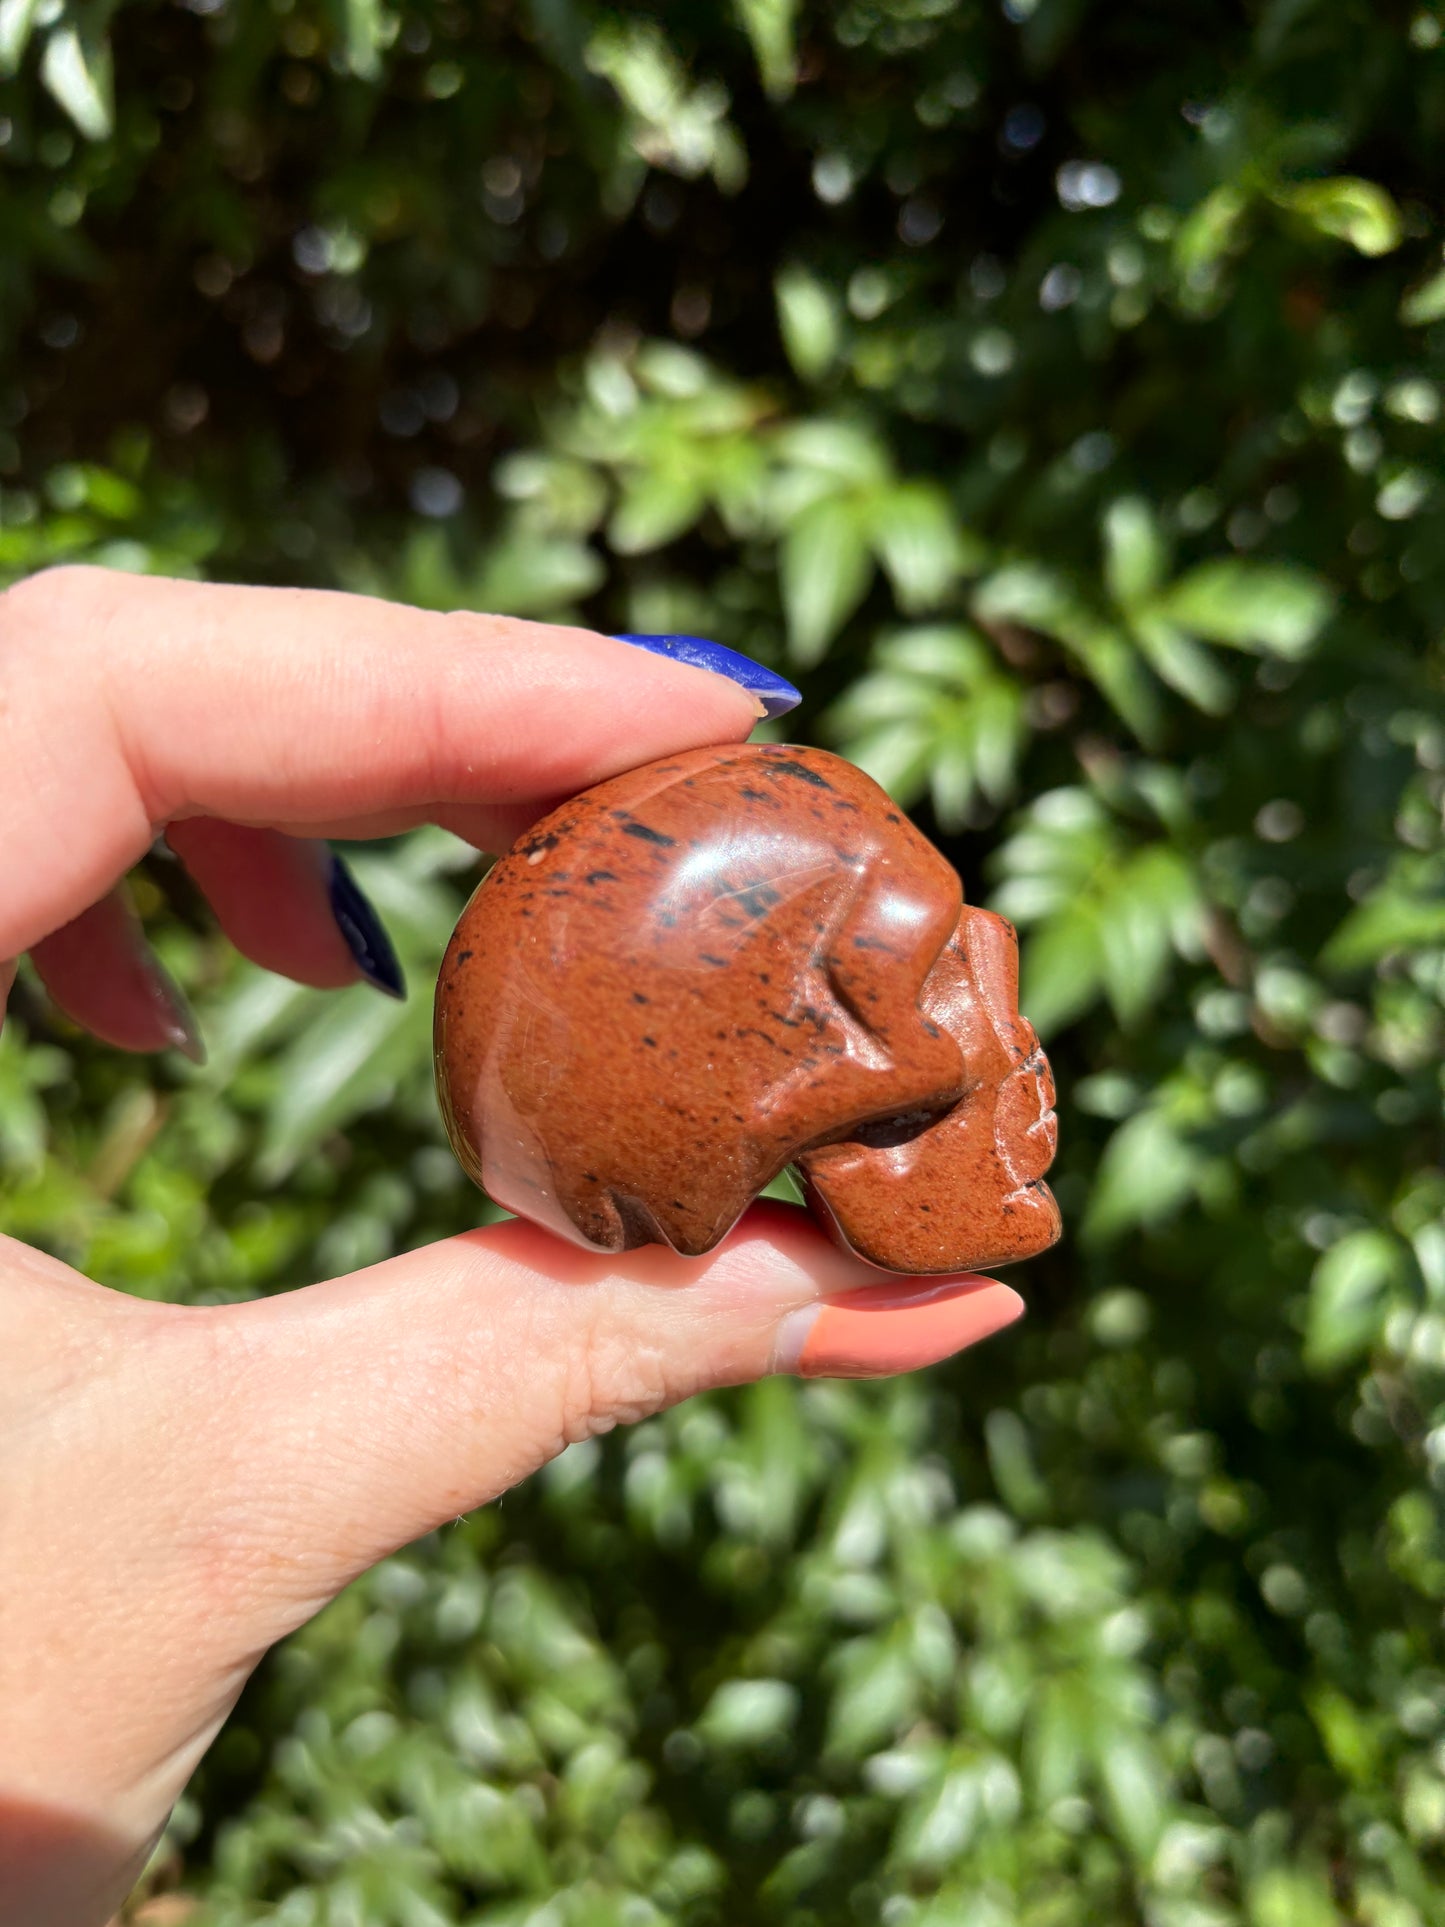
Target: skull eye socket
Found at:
883, 1133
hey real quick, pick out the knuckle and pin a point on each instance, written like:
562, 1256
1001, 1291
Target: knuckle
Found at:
63, 598
617, 1376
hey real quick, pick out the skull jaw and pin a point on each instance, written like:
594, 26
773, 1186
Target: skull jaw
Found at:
966, 1193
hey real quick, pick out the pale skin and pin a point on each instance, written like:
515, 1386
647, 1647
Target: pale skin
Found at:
181, 1488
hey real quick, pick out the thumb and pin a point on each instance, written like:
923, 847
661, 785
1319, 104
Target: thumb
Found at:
375, 1407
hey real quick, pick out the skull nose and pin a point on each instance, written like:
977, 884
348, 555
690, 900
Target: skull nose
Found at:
1026, 1125
993, 955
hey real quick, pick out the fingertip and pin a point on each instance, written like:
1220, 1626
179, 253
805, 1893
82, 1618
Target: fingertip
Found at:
897, 1326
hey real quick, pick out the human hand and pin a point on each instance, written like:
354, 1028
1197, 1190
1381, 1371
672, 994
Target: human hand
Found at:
179, 1488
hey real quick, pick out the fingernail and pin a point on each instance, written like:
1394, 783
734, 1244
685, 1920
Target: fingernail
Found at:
776, 695
894, 1327
172, 1007
363, 931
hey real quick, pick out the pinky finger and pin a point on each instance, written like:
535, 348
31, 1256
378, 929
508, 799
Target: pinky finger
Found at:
102, 973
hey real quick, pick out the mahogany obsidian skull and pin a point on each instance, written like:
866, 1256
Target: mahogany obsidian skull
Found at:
731, 961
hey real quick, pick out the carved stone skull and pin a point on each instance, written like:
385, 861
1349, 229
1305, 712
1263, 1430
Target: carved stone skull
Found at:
731, 961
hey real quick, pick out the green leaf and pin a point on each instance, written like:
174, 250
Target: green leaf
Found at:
655, 508
937, 1831
1425, 303
844, 453
825, 568
1134, 552
1211, 231
1137, 919
769, 25
348, 1061
1292, 1897
1147, 1173
1178, 660
809, 319
364, 32
878, 1695
1267, 607
1062, 969
919, 543
1389, 919
1134, 1782
531, 576
899, 757
76, 69
1012, 1466
18, 21
1351, 1737
1347, 209
1350, 1293
1028, 593
748, 1712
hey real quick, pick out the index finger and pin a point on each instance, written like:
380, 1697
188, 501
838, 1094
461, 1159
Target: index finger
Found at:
128, 702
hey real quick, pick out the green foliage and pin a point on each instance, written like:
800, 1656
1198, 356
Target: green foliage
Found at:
1057, 389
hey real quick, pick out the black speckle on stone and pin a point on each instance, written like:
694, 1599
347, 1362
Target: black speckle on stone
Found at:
872, 943
759, 900
464, 956
931, 1028
666, 919
647, 835
755, 796
535, 846
893, 817
591, 1177
601, 876
751, 1030
803, 774
718, 963
638, 998
651, 1042
925, 1207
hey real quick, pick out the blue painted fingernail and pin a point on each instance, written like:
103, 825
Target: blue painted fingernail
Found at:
775, 694
364, 932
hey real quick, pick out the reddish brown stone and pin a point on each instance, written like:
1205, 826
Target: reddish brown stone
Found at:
731, 961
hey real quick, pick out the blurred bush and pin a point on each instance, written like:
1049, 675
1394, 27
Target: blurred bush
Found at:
1057, 389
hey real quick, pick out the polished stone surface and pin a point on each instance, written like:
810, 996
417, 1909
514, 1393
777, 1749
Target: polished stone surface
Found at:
727, 962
